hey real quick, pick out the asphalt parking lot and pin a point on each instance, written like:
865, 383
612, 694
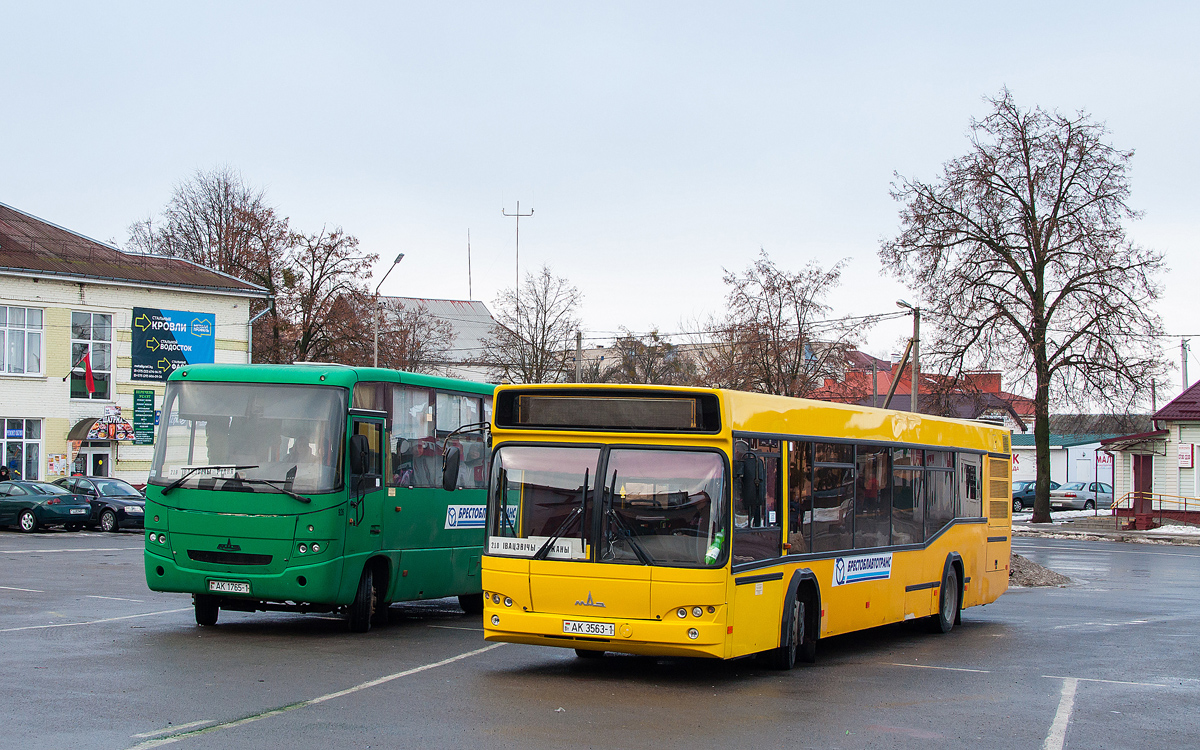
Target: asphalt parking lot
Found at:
92, 659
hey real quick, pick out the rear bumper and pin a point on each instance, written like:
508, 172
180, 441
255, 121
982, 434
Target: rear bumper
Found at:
312, 584
55, 515
643, 637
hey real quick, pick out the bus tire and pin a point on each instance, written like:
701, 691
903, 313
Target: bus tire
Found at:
785, 656
584, 653
207, 610
948, 603
359, 614
472, 604
808, 646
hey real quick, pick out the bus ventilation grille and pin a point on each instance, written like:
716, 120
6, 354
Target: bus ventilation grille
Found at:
997, 509
228, 558
1007, 443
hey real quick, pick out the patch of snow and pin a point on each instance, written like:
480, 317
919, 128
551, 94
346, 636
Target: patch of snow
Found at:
1176, 529
1062, 515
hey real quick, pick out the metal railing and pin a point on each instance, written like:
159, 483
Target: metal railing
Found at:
1174, 507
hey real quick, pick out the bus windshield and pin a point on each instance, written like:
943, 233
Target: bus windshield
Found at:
248, 436
656, 507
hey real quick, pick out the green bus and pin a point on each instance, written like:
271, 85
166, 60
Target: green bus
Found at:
317, 488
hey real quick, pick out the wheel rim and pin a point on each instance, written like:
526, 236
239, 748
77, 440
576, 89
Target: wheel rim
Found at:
1018, 506
27, 521
107, 521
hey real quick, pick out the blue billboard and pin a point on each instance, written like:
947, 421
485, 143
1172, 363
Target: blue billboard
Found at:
166, 339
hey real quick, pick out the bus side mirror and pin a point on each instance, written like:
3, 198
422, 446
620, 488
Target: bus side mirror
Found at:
360, 450
450, 461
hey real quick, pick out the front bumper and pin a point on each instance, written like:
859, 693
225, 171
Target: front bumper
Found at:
668, 637
314, 584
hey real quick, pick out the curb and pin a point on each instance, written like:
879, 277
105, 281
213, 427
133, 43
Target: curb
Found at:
1140, 537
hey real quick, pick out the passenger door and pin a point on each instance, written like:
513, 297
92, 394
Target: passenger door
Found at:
366, 490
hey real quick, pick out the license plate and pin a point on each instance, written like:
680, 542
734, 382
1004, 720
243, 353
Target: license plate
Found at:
78, 511
229, 587
578, 627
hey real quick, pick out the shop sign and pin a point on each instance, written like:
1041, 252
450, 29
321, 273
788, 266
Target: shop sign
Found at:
1186, 454
164, 340
143, 417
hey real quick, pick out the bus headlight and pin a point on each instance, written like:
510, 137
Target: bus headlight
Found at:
696, 611
693, 633
316, 547
153, 537
303, 548
495, 598
495, 620
681, 612
508, 601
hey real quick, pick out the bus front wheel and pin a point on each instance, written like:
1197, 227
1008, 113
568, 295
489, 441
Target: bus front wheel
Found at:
784, 657
207, 609
472, 604
363, 606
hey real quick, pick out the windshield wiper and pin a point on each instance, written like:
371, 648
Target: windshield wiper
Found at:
274, 486
626, 533
575, 513
194, 469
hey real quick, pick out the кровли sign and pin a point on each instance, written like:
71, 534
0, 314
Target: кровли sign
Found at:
166, 339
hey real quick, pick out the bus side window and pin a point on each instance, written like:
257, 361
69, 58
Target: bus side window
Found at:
970, 504
757, 520
416, 455
800, 498
873, 497
908, 496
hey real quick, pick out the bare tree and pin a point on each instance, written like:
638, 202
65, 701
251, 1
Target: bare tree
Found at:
326, 297
534, 342
651, 359
412, 339
775, 337
1020, 254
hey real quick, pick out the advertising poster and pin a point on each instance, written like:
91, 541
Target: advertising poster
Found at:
166, 339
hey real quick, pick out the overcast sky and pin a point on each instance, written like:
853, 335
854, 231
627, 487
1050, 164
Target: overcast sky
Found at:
657, 143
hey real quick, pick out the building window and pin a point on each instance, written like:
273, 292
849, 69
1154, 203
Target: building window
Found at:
20, 340
21, 447
91, 332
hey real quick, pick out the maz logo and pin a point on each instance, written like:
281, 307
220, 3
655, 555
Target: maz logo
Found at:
589, 602
229, 546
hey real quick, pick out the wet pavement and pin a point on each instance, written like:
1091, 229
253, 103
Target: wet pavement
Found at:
92, 659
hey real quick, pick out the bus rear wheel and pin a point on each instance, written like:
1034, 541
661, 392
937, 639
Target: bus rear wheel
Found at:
359, 615
207, 610
948, 603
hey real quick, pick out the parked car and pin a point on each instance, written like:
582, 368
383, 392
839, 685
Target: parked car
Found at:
114, 503
31, 505
1082, 496
1023, 493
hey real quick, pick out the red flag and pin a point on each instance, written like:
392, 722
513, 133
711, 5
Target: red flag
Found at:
87, 377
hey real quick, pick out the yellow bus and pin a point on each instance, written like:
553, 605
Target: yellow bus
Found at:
670, 521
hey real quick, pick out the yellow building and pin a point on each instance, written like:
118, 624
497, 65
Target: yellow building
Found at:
136, 317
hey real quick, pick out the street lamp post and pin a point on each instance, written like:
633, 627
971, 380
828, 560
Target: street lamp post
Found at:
375, 358
915, 390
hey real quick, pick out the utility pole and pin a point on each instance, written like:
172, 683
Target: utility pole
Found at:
1183, 355
470, 292
579, 356
517, 288
915, 390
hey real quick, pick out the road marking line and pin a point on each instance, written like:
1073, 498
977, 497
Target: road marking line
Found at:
1102, 624
177, 728
81, 549
454, 627
1055, 548
1057, 736
94, 622
311, 701
14, 588
1111, 682
114, 598
948, 669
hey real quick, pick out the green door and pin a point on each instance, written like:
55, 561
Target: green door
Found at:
364, 531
